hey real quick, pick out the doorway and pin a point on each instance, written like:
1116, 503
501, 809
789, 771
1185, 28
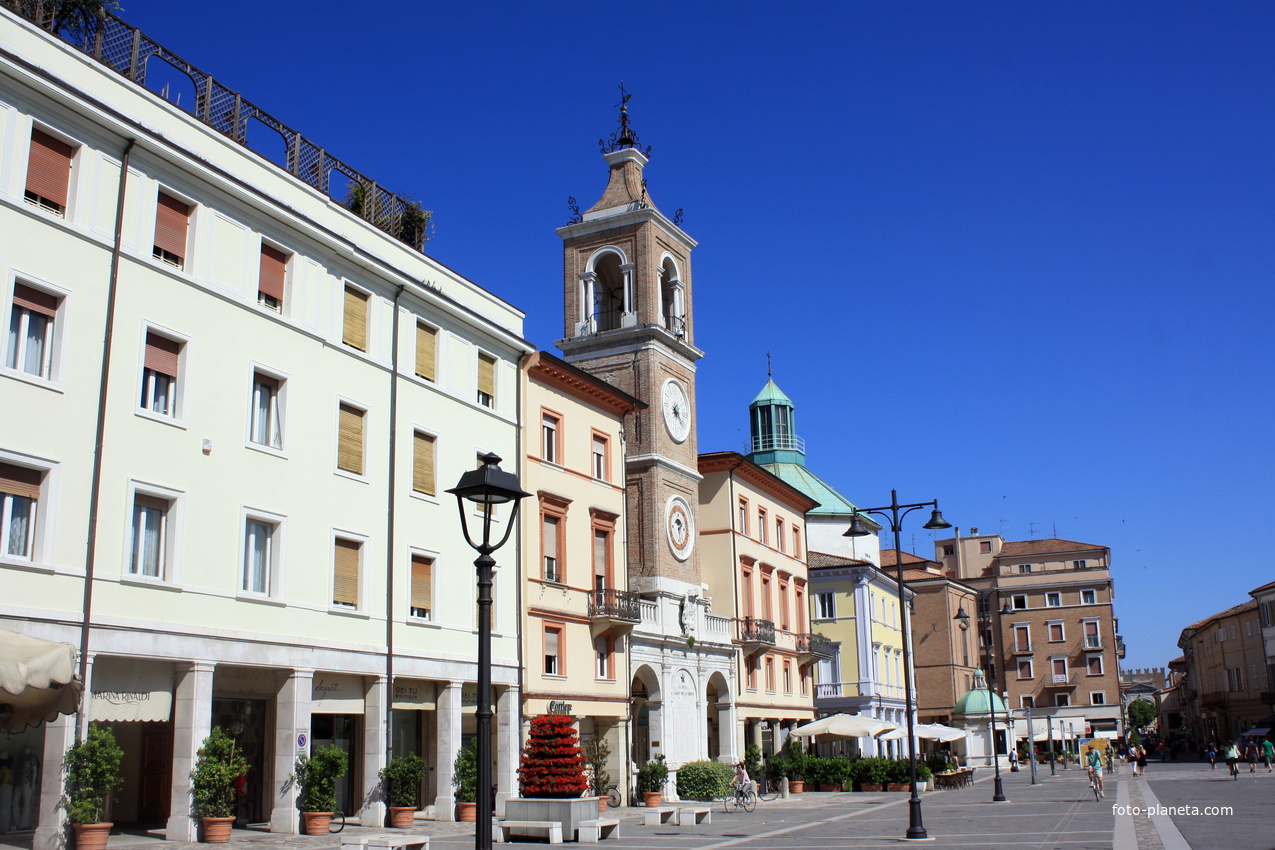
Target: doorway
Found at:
245, 720
341, 730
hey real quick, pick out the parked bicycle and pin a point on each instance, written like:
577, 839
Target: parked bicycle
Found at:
337, 823
613, 796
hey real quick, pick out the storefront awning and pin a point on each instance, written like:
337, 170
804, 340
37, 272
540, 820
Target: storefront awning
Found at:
131, 689
37, 681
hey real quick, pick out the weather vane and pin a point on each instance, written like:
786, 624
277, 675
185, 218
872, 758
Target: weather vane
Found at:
623, 137
769, 372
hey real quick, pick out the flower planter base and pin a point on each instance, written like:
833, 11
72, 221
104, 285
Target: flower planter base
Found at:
568, 811
467, 812
216, 830
315, 823
92, 836
825, 787
897, 786
871, 787
652, 799
796, 786
401, 817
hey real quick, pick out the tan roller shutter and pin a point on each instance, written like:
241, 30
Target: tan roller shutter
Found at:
35, 300
487, 375
349, 452
422, 578
426, 347
354, 330
172, 217
20, 481
274, 265
49, 168
423, 464
162, 354
345, 583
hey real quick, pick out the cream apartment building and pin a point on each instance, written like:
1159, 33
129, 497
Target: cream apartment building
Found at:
577, 610
1226, 674
235, 505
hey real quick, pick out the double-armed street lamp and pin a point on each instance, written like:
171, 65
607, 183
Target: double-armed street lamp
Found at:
985, 620
486, 487
894, 514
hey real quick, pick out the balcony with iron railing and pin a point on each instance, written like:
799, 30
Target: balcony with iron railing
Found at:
618, 607
778, 442
814, 646
756, 634
1060, 680
1093, 641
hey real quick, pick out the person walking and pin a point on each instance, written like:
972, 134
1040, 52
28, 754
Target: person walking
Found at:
1232, 760
1268, 753
1140, 761
1250, 755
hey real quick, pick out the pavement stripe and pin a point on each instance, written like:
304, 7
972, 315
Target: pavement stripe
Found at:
1124, 838
1170, 837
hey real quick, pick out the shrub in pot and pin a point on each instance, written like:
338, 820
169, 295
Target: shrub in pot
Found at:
465, 782
552, 763
651, 778
752, 760
596, 753
704, 780
92, 773
316, 777
871, 774
795, 764
401, 779
218, 764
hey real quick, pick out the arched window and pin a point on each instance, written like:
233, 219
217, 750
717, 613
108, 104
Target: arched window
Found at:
672, 304
608, 292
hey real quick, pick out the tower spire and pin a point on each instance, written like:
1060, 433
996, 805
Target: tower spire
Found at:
624, 136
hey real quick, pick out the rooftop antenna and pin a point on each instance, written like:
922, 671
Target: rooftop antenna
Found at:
769, 371
1031, 530
1003, 523
1055, 529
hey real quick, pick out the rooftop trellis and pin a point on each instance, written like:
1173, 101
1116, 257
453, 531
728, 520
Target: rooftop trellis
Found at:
125, 50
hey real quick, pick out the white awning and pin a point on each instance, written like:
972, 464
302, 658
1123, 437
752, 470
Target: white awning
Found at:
131, 689
37, 680
1257, 732
844, 726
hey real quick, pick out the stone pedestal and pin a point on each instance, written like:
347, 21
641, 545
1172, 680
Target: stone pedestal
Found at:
568, 812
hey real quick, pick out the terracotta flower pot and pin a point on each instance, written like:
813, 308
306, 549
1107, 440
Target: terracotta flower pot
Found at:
467, 812
898, 786
652, 799
796, 786
216, 830
871, 787
823, 786
315, 823
92, 836
602, 805
401, 817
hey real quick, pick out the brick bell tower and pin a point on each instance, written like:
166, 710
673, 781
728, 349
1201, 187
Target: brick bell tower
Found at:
628, 320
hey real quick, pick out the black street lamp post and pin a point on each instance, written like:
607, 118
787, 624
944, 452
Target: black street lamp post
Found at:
487, 486
984, 621
894, 513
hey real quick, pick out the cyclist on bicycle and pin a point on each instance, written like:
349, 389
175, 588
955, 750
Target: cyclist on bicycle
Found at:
742, 782
1094, 760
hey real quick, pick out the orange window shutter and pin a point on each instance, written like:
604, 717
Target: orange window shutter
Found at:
274, 265
172, 218
162, 354
350, 440
422, 579
423, 465
354, 328
20, 481
49, 167
345, 584
35, 300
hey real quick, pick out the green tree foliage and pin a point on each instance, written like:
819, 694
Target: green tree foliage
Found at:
401, 779
316, 775
212, 783
465, 773
92, 773
704, 780
596, 753
1141, 714
652, 775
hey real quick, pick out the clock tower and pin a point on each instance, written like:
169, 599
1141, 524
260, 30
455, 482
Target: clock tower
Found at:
628, 320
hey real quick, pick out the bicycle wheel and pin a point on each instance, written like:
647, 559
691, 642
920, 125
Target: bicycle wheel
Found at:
1093, 783
613, 797
749, 801
730, 803
337, 823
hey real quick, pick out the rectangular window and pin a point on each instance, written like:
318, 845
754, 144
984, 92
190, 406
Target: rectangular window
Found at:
271, 278
1022, 638
1024, 568
766, 613
1058, 667
1093, 665
1062, 700
172, 223
149, 550
1053, 599
426, 352
743, 517
603, 648
549, 544
796, 542
549, 437
1080, 565
1056, 632
600, 449
1019, 602
1239, 678
799, 620
19, 498
349, 450
259, 555
761, 525
803, 676
984, 546
1088, 597
30, 340
779, 533
1092, 639
1027, 701
750, 666
1097, 698
787, 676
423, 464
345, 573
266, 425
354, 319
601, 558
770, 674
1025, 668
949, 550
783, 603
486, 380
160, 369
422, 587
553, 651
827, 603
49, 172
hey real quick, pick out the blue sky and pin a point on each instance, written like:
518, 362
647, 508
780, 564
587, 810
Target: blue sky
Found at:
1017, 256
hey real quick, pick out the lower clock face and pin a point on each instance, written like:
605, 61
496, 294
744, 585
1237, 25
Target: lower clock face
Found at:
680, 527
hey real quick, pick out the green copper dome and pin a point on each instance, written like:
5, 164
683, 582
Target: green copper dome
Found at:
975, 701
770, 394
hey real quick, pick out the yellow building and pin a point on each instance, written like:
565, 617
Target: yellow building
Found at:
577, 611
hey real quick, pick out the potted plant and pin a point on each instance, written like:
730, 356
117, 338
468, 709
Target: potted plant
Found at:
92, 773
552, 765
596, 753
871, 774
795, 763
316, 776
651, 778
401, 779
465, 782
218, 764
752, 760
898, 775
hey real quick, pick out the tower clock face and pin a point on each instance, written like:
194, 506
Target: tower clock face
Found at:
680, 527
676, 404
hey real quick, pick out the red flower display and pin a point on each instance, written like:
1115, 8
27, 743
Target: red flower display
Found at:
552, 763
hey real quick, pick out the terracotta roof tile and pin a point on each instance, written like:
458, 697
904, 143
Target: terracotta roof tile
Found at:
1048, 545
815, 560
1242, 608
890, 558
1263, 587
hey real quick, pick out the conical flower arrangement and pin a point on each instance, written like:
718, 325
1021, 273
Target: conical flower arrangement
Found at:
552, 763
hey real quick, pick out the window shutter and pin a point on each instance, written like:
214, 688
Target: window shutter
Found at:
551, 642
266, 382
274, 265
423, 464
49, 167
162, 354
345, 586
600, 554
354, 330
426, 357
487, 375
35, 300
422, 577
172, 217
349, 453
549, 539
141, 500
20, 481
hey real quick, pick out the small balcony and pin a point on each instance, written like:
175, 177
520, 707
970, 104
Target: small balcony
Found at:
1023, 650
615, 608
1093, 641
1060, 680
756, 634
1119, 647
811, 646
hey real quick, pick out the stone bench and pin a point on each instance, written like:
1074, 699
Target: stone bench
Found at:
591, 831
692, 815
660, 816
550, 829
386, 842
